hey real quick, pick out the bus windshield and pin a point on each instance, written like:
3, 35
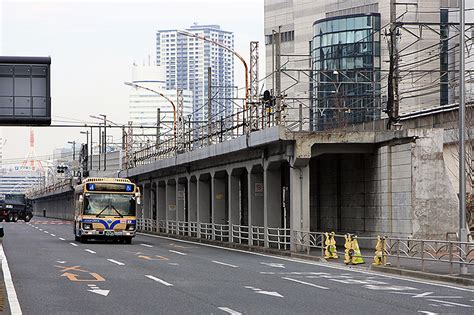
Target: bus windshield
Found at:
109, 205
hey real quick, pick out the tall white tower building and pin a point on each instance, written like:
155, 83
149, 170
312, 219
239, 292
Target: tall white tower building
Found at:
186, 61
144, 104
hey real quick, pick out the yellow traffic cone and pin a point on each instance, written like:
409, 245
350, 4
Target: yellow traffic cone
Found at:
357, 255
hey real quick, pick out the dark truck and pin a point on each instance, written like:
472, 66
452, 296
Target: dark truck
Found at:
14, 207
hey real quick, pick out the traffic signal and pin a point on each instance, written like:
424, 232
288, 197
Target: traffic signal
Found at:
62, 168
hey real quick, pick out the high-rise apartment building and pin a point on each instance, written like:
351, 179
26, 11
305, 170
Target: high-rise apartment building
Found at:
186, 61
144, 104
347, 44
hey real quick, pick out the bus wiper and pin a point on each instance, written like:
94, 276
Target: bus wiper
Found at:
98, 214
121, 215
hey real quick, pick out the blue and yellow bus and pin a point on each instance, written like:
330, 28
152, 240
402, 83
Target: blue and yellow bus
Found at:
106, 208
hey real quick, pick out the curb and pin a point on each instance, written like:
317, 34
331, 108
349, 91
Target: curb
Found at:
424, 275
286, 253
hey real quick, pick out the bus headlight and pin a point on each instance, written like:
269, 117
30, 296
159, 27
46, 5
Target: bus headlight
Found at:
130, 227
87, 226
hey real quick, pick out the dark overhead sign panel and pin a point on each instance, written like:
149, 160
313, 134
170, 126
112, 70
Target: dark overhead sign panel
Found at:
25, 91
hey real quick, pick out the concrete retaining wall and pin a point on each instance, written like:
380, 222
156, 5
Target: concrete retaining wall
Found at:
57, 206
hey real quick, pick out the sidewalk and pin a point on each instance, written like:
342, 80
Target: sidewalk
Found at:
433, 270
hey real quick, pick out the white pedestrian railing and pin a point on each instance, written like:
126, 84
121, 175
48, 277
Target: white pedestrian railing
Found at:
206, 230
279, 238
240, 234
258, 236
221, 232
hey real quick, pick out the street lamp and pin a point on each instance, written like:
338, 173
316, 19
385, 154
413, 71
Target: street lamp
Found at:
188, 34
104, 138
87, 144
136, 86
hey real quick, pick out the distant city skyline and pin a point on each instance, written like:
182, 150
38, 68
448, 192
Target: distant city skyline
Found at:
92, 45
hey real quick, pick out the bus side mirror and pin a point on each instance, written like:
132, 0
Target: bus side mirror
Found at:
81, 198
138, 201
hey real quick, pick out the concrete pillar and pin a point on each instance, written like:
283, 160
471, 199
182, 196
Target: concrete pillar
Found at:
171, 199
192, 199
299, 199
204, 200
180, 200
145, 201
256, 193
272, 197
219, 207
150, 201
233, 198
161, 201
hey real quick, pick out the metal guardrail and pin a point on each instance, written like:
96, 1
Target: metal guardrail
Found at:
59, 185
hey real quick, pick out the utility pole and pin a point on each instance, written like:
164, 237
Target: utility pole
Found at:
254, 92
277, 57
462, 149
105, 141
209, 105
92, 152
100, 145
393, 77
180, 114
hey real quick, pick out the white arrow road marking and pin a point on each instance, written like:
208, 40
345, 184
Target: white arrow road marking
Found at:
62, 239
116, 262
275, 265
306, 283
146, 245
90, 251
228, 310
452, 303
176, 252
53, 234
100, 292
272, 293
159, 280
73, 244
224, 264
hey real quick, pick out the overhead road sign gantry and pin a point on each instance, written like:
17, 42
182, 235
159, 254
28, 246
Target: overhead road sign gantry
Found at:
25, 91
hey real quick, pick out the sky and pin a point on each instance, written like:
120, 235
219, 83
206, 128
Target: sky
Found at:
93, 44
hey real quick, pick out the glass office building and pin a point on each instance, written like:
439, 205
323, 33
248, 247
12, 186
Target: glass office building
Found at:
346, 71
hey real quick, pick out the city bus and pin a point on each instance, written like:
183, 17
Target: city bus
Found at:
106, 208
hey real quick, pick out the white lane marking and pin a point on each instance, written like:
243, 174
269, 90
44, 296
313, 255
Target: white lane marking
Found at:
229, 310
41, 229
116, 262
74, 244
46, 232
275, 265
159, 280
428, 313
100, 292
146, 245
60, 261
425, 294
62, 239
452, 303
90, 251
306, 283
173, 264
53, 234
271, 293
15, 308
313, 263
36, 227
224, 264
176, 252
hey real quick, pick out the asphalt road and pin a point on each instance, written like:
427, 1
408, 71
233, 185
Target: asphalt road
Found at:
53, 274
